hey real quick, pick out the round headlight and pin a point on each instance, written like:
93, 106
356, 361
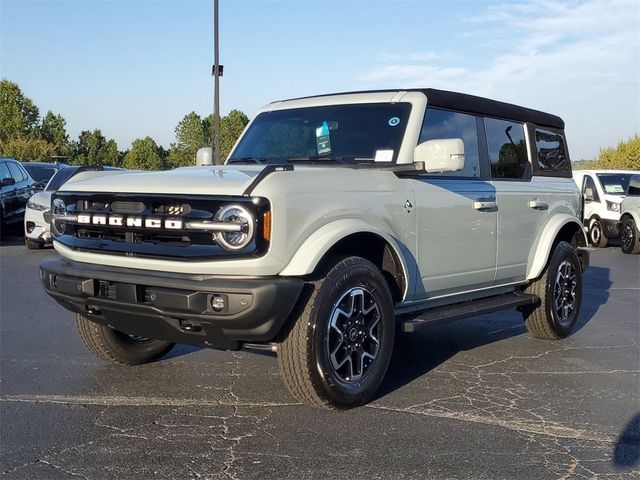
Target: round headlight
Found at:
240, 216
58, 207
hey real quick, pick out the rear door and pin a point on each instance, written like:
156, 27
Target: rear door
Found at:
522, 210
10, 203
456, 222
22, 187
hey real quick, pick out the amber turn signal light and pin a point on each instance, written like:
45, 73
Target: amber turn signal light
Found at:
266, 225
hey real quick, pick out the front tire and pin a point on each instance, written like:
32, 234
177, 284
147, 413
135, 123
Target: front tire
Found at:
596, 234
118, 347
560, 293
338, 350
629, 237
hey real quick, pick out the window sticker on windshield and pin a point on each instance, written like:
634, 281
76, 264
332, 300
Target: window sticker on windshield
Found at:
613, 189
323, 140
384, 156
394, 121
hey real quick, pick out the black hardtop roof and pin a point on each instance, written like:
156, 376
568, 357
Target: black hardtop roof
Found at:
473, 104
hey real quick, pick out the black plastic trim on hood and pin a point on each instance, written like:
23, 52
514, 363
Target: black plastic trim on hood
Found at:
266, 171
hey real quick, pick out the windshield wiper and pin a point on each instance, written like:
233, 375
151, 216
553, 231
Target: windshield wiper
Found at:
316, 158
247, 159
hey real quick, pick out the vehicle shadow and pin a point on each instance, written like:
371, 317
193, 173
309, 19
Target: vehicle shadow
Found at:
416, 354
180, 350
626, 453
11, 239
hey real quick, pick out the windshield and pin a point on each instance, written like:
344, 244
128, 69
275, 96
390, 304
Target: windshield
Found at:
39, 173
358, 133
59, 178
614, 183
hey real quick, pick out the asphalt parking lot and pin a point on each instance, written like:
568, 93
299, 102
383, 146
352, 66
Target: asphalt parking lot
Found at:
473, 399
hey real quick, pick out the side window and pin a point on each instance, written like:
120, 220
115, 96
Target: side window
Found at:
445, 124
590, 183
552, 153
4, 171
507, 149
16, 172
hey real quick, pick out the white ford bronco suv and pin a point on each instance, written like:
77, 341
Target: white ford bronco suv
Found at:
335, 222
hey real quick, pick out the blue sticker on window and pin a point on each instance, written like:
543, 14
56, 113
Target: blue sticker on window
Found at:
393, 121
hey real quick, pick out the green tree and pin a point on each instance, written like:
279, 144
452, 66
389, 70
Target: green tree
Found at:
231, 126
92, 148
144, 155
190, 136
18, 114
626, 155
27, 149
53, 130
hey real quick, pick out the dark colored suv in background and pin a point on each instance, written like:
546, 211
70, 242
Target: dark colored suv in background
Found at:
42, 172
16, 186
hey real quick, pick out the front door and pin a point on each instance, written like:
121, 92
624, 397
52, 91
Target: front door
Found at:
455, 214
456, 227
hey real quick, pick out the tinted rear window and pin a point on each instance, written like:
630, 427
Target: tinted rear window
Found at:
40, 173
59, 178
552, 152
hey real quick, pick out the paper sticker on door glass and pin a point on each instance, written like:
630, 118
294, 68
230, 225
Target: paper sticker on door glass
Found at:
394, 121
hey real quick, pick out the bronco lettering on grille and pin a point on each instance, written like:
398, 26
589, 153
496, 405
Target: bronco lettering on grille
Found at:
120, 221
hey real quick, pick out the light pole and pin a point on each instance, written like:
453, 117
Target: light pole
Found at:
217, 73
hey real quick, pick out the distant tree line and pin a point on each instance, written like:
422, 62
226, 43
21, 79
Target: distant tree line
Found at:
624, 156
25, 136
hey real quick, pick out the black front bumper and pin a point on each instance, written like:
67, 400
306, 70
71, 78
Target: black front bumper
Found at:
174, 307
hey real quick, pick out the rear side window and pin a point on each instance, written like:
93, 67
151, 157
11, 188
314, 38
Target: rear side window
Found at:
16, 172
552, 152
4, 171
507, 149
441, 124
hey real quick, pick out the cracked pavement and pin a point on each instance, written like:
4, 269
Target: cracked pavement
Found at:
473, 399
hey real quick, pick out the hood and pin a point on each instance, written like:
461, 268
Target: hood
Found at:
614, 198
41, 198
215, 180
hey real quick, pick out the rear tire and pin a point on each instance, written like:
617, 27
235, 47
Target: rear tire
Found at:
117, 347
596, 234
560, 293
32, 244
338, 350
629, 237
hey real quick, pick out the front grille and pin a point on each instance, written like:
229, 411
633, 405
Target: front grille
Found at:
134, 216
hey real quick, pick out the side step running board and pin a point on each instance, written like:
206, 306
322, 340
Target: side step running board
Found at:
471, 308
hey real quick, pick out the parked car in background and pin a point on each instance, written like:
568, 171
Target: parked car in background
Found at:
42, 172
36, 218
16, 186
603, 191
630, 218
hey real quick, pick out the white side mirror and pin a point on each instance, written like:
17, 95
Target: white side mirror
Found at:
441, 155
204, 156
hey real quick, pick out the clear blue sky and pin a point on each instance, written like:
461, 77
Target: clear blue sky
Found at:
135, 68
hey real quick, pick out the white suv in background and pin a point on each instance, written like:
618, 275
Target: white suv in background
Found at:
37, 233
603, 192
630, 218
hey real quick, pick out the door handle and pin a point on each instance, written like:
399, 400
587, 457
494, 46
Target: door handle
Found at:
538, 205
484, 204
